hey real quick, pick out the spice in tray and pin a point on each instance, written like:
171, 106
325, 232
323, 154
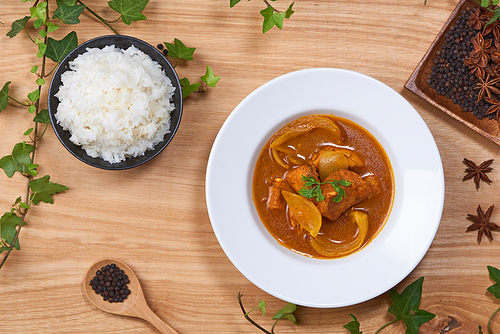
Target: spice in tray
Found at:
111, 283
466, 69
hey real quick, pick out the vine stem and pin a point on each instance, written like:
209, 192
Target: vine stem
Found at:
245, 314
100, 18
35, 136
13, 99
385, 325
491, 318
269, 5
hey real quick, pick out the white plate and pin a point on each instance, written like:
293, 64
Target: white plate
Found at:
419, 188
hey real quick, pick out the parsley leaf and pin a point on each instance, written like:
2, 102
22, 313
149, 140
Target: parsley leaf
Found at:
209, 78
17, 161
188, 88
57, 50
43, 190
18, 26
353, 326
179, 50
405, 307
69, 14
130, 10
8, 223
4, 96
315, 191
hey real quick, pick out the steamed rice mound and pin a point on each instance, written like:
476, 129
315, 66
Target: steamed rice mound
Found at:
115, 103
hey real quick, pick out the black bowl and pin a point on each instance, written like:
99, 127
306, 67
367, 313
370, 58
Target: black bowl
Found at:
122, 42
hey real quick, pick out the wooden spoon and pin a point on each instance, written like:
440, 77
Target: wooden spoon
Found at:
134, 306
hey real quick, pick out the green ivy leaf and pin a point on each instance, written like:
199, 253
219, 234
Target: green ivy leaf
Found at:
42, 117
40, 81
38, 23
188, 88
353, 326
57, 50
65, 3
494, 275
179, 50
262, 307
51, 27
289, 11
405, 307
4, 96
19, 158
43, 190
34, 95
31, 108
209, 78
233, 3
271, 19
130, 10
286, 313
28, 132
34, 68
69, 14
18, 26
8, 223
485, 3
39, 11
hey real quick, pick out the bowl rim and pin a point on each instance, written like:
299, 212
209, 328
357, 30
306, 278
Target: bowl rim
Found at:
175, 119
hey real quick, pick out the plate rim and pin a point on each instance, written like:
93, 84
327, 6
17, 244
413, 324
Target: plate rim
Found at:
234, 258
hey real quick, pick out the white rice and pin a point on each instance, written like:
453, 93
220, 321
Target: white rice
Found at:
115, 103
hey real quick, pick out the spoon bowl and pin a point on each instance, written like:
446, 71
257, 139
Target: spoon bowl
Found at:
134, 306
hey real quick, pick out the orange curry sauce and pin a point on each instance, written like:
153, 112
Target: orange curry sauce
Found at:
377, 207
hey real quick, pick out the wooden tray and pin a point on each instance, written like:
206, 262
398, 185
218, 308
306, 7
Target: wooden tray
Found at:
417, 83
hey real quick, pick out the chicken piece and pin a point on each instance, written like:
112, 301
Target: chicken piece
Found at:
356, 192
374, 182
294, 176
275, 200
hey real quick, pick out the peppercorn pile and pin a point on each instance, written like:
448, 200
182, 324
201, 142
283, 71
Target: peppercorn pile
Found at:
466, 69
111, 283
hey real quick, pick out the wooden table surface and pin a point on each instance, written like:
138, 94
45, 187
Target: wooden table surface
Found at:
155, 218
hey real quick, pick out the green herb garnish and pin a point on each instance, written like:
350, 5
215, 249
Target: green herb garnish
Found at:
315, 191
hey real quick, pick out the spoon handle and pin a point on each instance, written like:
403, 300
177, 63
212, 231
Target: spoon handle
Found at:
157, 322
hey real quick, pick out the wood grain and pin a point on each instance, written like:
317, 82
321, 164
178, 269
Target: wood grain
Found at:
154, 217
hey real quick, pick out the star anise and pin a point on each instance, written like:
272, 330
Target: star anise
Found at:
493, 69
480, 54
474, 68
477, 172
493, 28
482, 223
476, 20
494, 108
486, 86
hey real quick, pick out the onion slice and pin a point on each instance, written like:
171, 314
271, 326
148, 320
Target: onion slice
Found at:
304, 212
326, 247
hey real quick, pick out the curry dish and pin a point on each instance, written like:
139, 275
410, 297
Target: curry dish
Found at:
323, 186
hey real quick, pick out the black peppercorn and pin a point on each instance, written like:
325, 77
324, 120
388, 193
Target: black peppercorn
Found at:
450, 77
111, 283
